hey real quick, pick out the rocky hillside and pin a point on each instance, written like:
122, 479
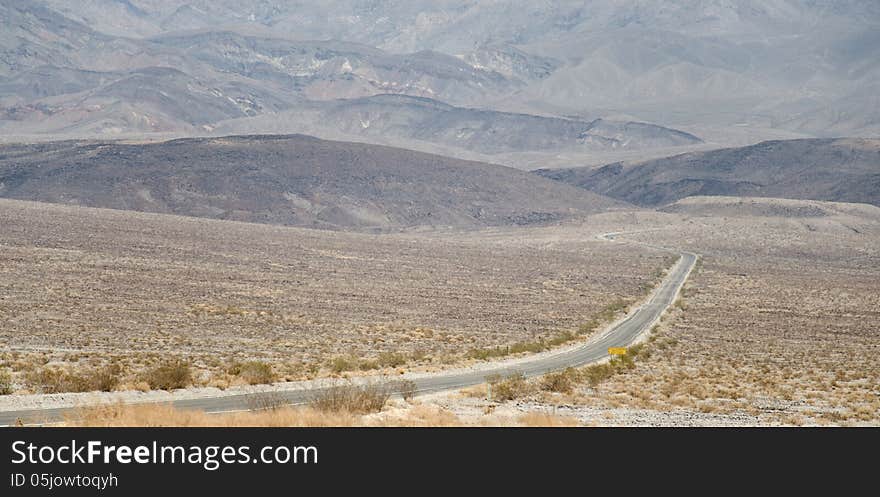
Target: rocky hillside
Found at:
289, 180
844, 170
414, 120
769, 207
62, 78
804, 66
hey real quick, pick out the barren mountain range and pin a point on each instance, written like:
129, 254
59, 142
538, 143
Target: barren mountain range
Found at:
656, 75
420, 122
303, 181
288, 180
59, 76
844, 170
530, 85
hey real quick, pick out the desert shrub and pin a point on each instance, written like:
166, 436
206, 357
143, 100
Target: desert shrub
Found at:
612, 310
493, 379
391, 359
589, 327
512, 387
606, 315
46, 380
561, 339
639, 352
75, 382
341, 364
357, 399
105, 379
407, 389
254, 372
520, 347
482, 354
5, 382
539, 345
266, 401
368, 365
168, 376
54, 380
561, 381
597, 373
627, 361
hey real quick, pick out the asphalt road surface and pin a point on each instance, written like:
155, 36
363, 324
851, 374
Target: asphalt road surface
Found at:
624, 333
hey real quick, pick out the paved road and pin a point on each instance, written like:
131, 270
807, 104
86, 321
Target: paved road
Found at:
624, 333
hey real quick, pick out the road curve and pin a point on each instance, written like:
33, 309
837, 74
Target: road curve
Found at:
621, 334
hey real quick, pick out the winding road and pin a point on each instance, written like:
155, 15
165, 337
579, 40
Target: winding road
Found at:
620, 334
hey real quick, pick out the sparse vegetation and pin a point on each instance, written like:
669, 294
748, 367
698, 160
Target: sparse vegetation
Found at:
106, 379
266, 401
606, 315
49, 379
5, 382
511, 387
341, 364
252, 304
516, 386
169, 376
407, 389
153, 415
150, 415
776, 326
597, 373
253, 372
366, 365
560, 382
351, 398
543, 419
773, 328
391, 359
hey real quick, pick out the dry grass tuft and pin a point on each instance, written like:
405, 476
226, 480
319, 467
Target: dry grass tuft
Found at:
153, 415
359, 399
420, 415
512, 387
5, 382
423, 415
169, 376
407, 389
266, 401
56, 380
543, 419
560, 382
253, 372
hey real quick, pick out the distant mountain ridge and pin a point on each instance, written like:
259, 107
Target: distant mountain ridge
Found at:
478, 130
290, 180
60, 77
802, 66
843, 170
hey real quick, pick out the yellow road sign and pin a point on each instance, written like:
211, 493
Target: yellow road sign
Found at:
617, 350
